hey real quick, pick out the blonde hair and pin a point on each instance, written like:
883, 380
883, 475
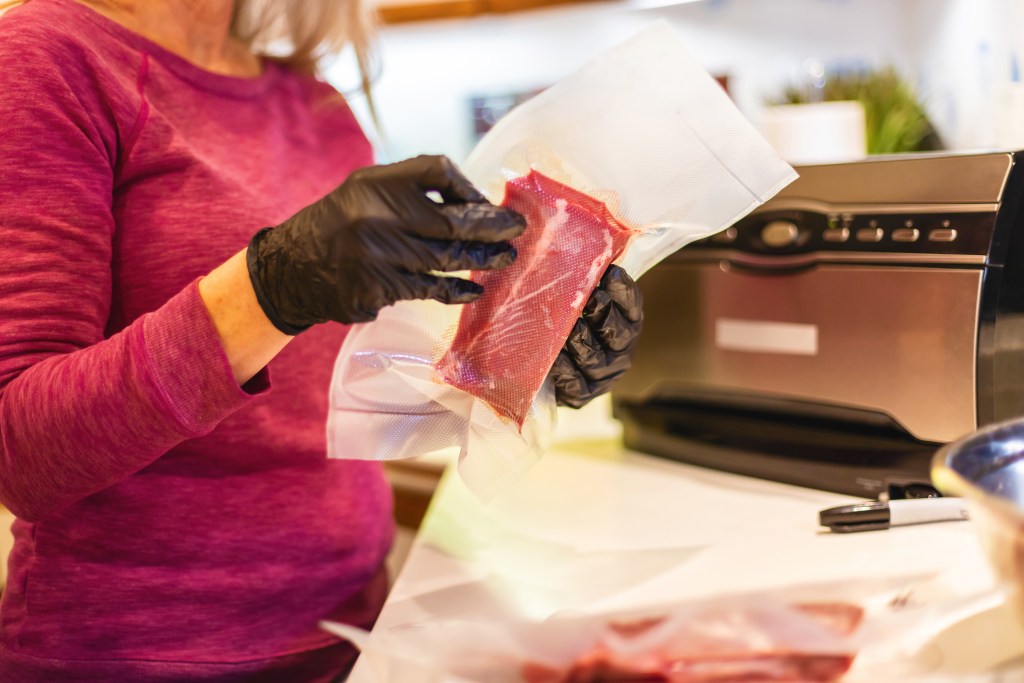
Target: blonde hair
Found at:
306, 31
310, 31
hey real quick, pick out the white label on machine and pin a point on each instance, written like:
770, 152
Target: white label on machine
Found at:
766, 337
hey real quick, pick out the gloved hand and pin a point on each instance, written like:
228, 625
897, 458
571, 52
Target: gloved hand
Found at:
372, 241
599, 348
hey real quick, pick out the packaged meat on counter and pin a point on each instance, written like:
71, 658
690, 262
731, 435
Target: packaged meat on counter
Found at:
742, 641
794, 635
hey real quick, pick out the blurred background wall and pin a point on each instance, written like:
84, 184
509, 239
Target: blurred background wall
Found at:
959, 56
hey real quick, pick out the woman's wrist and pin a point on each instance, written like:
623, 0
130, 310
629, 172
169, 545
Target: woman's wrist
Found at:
249, 339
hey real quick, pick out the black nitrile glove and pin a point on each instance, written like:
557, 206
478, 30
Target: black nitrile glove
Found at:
599, 349
372, 241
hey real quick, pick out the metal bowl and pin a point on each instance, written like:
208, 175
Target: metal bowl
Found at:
986, 468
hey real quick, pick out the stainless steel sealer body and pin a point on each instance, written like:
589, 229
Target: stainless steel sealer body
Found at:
833, 338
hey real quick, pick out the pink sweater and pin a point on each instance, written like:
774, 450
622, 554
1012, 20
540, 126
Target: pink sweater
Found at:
171, 525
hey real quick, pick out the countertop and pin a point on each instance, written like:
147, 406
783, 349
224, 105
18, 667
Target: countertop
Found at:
597, 528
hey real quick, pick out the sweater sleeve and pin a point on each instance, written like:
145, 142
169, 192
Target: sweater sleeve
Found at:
78, 411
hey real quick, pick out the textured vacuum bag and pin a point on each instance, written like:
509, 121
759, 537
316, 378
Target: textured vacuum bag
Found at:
855, 630
625, 161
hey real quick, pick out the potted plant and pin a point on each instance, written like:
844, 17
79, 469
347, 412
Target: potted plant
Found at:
894, 119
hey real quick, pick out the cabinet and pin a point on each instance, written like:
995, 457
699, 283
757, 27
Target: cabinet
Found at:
413, 483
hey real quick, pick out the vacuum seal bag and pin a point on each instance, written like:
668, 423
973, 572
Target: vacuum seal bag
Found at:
857, 630
756, 639
624, 161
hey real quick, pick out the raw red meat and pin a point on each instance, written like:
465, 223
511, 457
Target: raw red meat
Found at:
780, 668
732, 645
509, 338
590, 672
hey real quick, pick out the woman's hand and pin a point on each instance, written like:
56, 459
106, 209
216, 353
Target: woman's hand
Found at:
375, 240
599, 349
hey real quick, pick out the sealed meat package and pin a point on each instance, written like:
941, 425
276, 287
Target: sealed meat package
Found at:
630, 158
760, 637
755, 641
509, 339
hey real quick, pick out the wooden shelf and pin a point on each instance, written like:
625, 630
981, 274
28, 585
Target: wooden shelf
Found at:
413, 484
405, 12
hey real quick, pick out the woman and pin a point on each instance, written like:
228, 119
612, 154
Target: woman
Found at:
177, 518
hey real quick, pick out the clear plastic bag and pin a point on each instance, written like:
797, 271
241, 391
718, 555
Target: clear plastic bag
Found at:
625, 161
857, 630
758, 638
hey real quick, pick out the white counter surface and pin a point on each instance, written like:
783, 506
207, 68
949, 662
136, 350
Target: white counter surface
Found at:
596, 528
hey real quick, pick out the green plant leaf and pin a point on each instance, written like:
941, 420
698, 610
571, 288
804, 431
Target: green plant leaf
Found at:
895, 119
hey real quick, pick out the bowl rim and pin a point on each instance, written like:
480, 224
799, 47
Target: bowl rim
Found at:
950, 482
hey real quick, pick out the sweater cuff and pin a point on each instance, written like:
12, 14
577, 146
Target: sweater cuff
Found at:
189, 365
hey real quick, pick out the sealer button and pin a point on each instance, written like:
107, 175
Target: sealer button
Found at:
942, 235
870, 235
836, 235
905, 235
725, 237
780, 233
